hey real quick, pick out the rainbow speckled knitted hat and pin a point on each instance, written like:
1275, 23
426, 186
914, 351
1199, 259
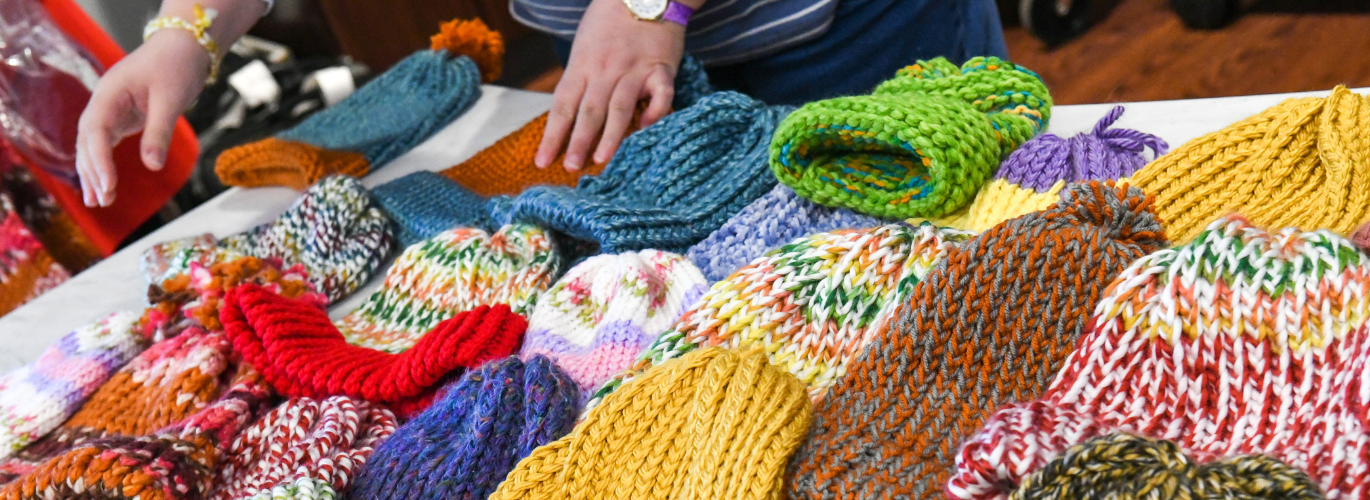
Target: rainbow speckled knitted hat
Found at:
920, 145
1242, 341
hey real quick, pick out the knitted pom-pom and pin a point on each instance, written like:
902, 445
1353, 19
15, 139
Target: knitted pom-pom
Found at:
475, 40
1104, 154
1121, 213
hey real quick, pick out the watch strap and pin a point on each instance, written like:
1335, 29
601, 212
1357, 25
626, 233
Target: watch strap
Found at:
677, 13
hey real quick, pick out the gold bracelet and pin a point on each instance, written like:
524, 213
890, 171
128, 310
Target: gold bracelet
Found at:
200, 28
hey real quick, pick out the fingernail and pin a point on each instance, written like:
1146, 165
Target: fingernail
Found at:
155, 159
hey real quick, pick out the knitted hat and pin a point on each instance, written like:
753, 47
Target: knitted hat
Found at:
1242, 341
302, 354
766, 224
1302, 163
599, 317
507, 167
669, 185
423, 204
194, 297
813, 304
921, 145
453, 272
1127, 467
26, 268
715, 423
37, 398
469, 440
301, 489
380, 121
1031, 179
326, 440
988, 325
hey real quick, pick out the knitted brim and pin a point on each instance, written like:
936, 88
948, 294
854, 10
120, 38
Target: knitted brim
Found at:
1031, 179
1302, 163
302, 354
466, 444
1242, 341
669, 185
453, 272
595, 321
766, 224
715, 423
26, 270
988, 325
278, 162
423, 204
920, 146
507, 167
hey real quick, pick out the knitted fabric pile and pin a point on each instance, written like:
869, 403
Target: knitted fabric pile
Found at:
194, 298
26, 268
1304, 163
1031, 179
920, 145
599, 317
715, 423
987, 326
1241, 342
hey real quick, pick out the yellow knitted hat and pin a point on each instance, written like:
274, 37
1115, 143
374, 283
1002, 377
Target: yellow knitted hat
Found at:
715, 423
1303, 163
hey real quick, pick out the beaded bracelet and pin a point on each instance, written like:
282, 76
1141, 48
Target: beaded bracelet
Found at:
200, 28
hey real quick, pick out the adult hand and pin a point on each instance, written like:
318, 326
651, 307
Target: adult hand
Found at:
616, 61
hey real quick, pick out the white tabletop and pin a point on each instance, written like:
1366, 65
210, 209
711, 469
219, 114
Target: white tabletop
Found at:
115, 284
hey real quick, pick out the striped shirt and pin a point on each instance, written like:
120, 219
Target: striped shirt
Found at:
720, 32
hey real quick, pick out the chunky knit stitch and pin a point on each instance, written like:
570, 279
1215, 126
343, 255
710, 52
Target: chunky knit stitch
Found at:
921, 145
669, 185
715, 423
766, 224
599, 317
302, 354
26, 268
1032, 178
1242, 341
507, 167
37, 398
988, 325
465, 445
301, 489
1304, 163
423, 204
194, 298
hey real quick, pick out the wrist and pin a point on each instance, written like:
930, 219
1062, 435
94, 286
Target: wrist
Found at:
183, 43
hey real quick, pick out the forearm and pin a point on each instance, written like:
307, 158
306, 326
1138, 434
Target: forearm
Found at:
234, 17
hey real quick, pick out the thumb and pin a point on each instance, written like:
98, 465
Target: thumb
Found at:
161, 121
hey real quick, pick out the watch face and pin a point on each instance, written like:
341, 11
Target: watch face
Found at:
647, 9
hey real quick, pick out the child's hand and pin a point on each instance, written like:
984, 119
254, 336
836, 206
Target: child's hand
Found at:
616, 61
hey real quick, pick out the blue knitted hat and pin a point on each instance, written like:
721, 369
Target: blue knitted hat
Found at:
466, 443
768, 223
423, 204
669, 185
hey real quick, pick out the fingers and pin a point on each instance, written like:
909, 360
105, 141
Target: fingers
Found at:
661, 88
95, 143
589, 123
100, 152
621, 107
565, 102
161, 121
83, 170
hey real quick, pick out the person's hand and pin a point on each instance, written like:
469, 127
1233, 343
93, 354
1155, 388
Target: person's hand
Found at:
145, 91
616, 61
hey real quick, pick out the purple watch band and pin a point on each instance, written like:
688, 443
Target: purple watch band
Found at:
677, 13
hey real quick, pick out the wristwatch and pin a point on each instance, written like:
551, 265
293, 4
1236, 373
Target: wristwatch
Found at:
660, 10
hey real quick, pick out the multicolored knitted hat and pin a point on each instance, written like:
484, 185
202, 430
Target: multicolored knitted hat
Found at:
596, 320
669, 185
303, 439
921, 145
302, 354
996, 317
813, 304
453, 272
37, 398
194, 297
26, 268
766, 224
1302, 163
1031, 179
466, 444
1242, 341
715, 423
423, 204
380, 121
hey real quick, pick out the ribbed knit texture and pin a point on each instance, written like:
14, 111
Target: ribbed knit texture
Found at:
812, 305
423, 204
766, 224
599, 317
1242, 341
26, 268
37, 398
465, 445
1126, 467
1304, 163
1031, 179
669, 185
920, 145
453, 272
715, 423
506, 167
322, 442
988, 325
302, 354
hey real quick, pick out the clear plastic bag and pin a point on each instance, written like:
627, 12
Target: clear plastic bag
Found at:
45, 82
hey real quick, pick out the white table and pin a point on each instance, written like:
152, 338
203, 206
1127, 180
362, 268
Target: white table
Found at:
116, 284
